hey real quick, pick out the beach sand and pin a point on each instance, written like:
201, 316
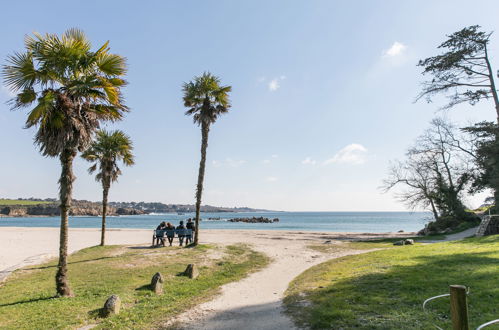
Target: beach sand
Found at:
252, 303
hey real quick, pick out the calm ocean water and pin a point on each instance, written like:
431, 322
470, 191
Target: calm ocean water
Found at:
307, 221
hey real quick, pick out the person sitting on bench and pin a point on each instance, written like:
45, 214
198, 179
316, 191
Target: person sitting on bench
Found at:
181, 234
190, 225
170, 232
159, 234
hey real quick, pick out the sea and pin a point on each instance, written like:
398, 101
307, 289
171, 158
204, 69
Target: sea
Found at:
373, 222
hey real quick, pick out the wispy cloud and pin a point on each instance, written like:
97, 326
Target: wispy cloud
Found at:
272, 158
396, 49
273, 84
308, 161
354, 154
228, 162
271, 179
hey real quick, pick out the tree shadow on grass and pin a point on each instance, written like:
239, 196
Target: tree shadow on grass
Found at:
28, 301
69, 263
391, 296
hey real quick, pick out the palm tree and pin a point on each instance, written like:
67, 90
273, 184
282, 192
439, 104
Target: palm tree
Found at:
105, 152
206, 100
70, 91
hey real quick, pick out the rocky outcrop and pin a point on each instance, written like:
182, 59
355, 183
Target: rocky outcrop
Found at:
78, 209
129, 211
254, 220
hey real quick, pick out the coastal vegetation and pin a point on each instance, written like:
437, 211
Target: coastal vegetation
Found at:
27, 300
448, 162
106, 151
385, 289
23, 202
206, 100
71, 90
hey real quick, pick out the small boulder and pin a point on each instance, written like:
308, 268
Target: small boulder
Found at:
409, 242
157, 283
191, 271
112, 305
398, 243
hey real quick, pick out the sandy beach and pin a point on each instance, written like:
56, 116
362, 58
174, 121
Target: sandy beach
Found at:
239, 305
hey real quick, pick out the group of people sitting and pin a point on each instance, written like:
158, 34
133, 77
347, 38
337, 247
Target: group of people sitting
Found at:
166, 229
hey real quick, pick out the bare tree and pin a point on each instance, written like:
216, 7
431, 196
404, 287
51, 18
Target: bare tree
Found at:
435, 172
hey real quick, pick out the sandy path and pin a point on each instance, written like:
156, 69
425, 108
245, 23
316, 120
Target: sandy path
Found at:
454, 237
256, 301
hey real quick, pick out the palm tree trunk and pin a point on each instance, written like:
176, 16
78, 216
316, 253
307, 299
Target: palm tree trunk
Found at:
205, 129
65, 194
105, 192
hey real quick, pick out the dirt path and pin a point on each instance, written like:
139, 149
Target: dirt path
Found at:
454, 237
256, 301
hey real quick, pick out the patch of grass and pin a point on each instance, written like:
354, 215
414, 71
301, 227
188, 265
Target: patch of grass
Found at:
385, 289
12, 202
27, 297
338, 246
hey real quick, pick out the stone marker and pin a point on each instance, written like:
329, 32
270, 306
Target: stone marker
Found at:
398, 243
409, 242
157, 283
191, 271
112, 305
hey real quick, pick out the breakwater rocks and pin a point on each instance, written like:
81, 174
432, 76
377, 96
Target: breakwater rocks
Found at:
254, 220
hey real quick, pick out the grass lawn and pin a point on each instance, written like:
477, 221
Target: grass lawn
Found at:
27, 297
385, 289
11, 202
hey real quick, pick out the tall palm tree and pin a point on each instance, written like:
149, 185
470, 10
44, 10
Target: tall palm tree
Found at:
206, 100
70, 90
105, 152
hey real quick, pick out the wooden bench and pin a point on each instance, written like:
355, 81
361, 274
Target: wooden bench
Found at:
171, 233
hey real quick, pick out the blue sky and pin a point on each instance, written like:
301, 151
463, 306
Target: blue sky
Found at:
322, 96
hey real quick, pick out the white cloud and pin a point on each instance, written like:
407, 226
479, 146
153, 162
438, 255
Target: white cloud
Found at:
351, 154
396, 49
271, 179
261, 79
275, 83
266, 161
275, 156
234, 162
228, 162
308, 161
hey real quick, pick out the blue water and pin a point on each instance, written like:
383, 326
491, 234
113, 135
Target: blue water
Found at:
307, 221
